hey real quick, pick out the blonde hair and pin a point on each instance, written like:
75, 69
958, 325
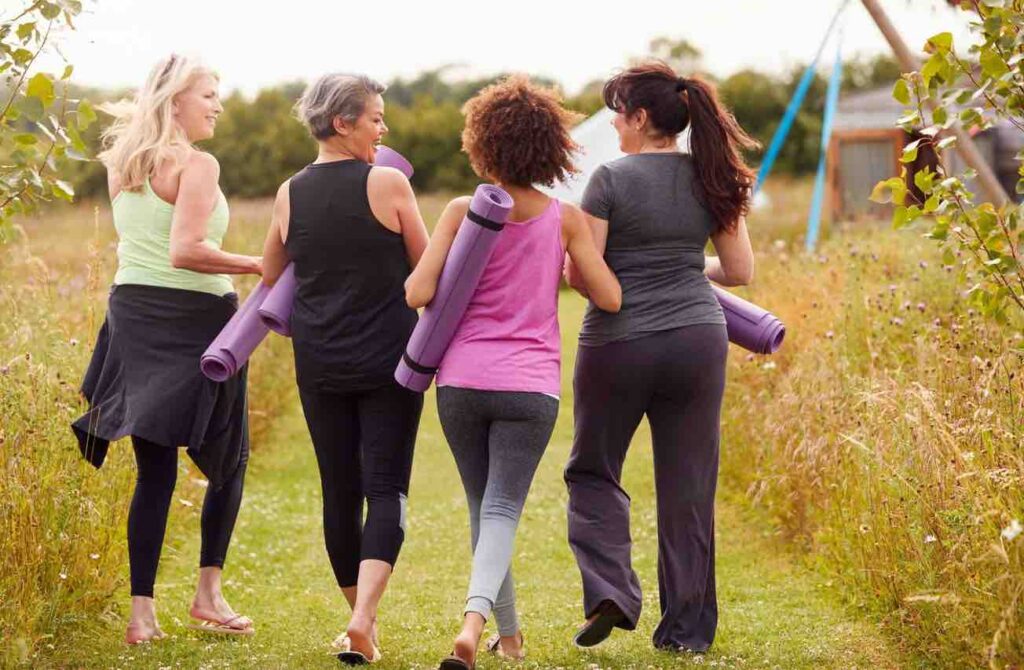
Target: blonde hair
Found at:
144, 133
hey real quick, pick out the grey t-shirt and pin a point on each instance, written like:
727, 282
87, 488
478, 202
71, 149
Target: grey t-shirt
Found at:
657, 231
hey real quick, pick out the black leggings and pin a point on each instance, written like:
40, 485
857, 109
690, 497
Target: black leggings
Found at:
364, 444
147, 516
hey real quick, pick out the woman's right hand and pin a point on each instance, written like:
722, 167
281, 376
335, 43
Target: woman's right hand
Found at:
257, 265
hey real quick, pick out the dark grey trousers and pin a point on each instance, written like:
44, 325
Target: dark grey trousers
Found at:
676, 378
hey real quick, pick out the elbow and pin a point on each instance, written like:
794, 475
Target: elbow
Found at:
610, 302
742, 278
181, 259
416, 296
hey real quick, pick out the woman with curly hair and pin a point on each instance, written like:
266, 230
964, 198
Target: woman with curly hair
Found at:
499, 382
663, 356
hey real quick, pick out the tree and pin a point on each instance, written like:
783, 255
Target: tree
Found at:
40, 124
976, 91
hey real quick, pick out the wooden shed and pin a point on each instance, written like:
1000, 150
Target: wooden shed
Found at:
866, 147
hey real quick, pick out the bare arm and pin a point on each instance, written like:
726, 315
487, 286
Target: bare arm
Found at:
275, 258
734, 264
394, 204
586, 263
599, 235
197, 196
421, 285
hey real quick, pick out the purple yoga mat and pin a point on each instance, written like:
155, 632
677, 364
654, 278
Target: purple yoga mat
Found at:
466, 261
751, 327
276, 310
232, 347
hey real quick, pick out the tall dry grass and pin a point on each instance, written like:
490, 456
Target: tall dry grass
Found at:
62, 548
886, 437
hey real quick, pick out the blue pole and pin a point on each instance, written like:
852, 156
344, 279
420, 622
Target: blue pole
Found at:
779, 138
831, 102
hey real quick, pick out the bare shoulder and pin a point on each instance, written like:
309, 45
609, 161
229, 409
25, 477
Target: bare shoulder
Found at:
573, 217
389, 177
201, 164
283, 191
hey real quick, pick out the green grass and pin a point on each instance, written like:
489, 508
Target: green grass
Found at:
775, 611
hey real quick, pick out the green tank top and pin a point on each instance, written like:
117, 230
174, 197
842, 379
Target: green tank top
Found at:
143, 223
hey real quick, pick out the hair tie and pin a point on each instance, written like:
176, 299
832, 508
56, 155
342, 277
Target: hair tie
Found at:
681, 85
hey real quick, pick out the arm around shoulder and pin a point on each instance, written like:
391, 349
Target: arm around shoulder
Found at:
601, 284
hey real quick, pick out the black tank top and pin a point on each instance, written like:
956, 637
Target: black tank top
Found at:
350, 322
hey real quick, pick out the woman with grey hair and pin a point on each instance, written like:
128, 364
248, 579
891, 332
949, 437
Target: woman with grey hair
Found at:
354, 233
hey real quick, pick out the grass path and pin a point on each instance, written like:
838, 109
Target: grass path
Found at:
774, 612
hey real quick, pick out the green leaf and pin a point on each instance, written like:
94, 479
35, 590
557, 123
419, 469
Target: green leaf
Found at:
86, 115
910, 152
899, 217
67, 72
940, 43
25, 139
924, 180
21, 56
945, 143
76, 139
992, 64
63, 190
901, 92
41, 86
25, 30
932, 67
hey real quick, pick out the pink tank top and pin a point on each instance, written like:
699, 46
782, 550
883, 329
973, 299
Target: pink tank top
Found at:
508, 339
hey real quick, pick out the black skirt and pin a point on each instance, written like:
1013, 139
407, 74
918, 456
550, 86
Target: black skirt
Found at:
144, 380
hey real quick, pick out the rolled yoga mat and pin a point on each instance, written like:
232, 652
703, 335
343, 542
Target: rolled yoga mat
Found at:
751, 327
462, 270
230, 350
276, 310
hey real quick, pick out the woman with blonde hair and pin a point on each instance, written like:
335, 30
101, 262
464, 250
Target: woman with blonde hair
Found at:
171, 295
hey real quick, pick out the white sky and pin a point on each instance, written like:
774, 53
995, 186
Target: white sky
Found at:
572, 42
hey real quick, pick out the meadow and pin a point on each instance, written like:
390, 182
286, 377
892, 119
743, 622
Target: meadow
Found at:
871, 482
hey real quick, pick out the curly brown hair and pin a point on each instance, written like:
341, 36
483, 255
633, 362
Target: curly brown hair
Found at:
517, 133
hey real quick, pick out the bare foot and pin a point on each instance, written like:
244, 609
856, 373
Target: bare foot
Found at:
362, 631
142, 624
465, 648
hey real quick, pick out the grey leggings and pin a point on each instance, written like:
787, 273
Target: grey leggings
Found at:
497, 439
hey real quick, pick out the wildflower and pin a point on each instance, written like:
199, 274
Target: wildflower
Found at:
896, 321
921, 307
63, 575
779, 244
750, 357
770, 365
829, 334
864, 528
94, 557
73, 342
968, 456
923, 265
906, 305
1011, 532
186, 503
928, 539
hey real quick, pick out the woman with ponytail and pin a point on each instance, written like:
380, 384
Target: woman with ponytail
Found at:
172, 294
663, 355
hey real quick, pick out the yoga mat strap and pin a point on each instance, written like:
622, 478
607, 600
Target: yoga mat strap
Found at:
416, 367
484, 221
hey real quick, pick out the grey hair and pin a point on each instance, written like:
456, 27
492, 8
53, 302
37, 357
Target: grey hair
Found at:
332, 95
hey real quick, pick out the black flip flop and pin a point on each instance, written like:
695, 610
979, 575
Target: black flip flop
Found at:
453, 662
597, 631
353, 658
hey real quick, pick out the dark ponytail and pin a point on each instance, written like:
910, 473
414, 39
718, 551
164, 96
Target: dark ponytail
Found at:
674, 103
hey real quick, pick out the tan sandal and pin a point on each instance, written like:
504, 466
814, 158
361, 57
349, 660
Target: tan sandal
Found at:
229, 626
493, 646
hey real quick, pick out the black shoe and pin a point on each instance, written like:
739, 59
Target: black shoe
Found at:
597, 631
